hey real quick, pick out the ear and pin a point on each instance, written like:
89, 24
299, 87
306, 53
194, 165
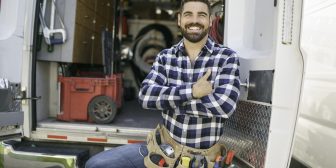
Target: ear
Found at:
179, 19
211, 19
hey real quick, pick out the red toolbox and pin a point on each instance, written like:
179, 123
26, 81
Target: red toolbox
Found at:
90, 99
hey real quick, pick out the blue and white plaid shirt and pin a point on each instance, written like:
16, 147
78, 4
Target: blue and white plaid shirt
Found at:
196, 123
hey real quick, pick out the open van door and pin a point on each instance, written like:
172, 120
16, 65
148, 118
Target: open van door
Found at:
266, 36
11, 63
16, 54
17, 101
315, 134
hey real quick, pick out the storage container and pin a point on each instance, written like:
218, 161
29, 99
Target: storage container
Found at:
84, 98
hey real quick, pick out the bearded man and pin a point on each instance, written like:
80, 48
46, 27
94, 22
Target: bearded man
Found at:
195, 84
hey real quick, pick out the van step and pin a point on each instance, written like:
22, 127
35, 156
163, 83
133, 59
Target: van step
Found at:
41, 151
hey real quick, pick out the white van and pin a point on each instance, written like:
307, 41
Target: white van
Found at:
287, 73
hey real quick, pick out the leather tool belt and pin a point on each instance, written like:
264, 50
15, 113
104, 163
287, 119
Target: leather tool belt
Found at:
177, 155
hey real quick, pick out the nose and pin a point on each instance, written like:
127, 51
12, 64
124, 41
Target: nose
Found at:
195, 19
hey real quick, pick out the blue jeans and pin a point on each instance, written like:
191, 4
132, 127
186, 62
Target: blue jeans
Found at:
126, 156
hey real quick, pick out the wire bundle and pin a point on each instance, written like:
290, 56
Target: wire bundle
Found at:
215, 32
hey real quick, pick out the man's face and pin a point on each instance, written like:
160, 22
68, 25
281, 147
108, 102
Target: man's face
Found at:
194, 21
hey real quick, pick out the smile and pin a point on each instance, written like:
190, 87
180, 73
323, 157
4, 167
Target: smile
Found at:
194, 28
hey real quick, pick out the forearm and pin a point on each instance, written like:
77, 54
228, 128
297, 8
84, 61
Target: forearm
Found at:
157, 93
154, 96
213, 105
221, 102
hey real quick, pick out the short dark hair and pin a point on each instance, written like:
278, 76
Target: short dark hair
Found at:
203, 1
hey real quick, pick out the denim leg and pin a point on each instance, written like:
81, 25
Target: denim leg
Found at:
126, 156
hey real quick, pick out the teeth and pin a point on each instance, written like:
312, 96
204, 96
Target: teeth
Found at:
194, 28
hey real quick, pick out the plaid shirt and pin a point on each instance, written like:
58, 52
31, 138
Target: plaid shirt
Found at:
192, 122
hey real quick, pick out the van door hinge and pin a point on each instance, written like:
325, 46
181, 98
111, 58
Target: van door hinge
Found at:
23, 96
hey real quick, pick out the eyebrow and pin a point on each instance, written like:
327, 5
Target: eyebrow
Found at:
188, 12
203, 13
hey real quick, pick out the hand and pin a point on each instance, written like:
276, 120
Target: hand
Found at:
202, 87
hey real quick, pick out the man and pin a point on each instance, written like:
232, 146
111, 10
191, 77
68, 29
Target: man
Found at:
195, 83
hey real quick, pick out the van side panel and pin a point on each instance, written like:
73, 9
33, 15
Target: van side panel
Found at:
316, 128
11, 39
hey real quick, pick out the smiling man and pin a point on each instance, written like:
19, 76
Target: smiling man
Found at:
195, 84
194, 21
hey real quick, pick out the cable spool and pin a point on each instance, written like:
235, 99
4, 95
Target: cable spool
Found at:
149, 42
147, 49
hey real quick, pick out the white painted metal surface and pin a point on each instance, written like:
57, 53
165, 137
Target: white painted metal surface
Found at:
15, 30
315, 141
11, 39
257, 37
88, 133
286, 90
28, 13
9, 9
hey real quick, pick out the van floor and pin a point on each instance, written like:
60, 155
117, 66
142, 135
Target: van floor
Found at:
130, 115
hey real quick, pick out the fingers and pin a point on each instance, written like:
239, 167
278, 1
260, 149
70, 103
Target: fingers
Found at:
202, 87
207, 74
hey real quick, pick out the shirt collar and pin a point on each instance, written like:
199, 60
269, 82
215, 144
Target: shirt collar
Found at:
209, 45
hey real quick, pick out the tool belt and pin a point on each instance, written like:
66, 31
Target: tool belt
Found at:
180, 154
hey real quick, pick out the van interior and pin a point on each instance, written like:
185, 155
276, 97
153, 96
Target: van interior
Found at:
106, 38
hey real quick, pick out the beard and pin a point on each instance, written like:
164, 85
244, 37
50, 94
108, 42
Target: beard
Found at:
194, 37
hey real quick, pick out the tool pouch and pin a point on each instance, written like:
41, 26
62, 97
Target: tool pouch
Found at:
180, 151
